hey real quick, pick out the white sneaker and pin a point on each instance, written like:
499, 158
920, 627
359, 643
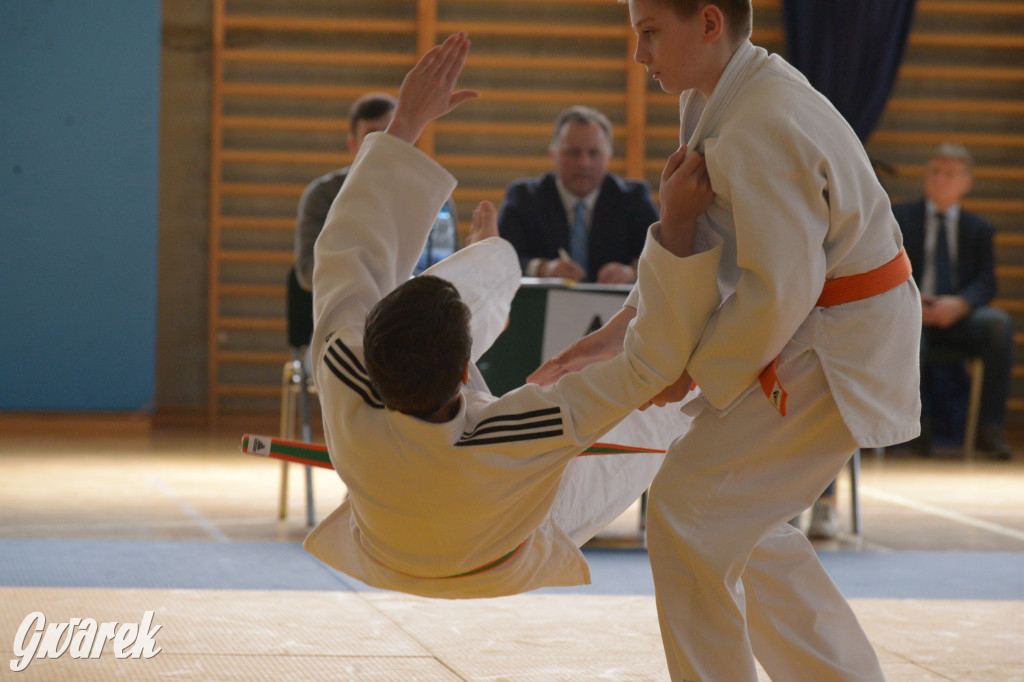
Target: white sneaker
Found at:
824, 523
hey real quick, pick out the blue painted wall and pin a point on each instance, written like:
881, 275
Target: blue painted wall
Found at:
79, 118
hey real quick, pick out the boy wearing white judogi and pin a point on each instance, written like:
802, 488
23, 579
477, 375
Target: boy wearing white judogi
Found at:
794, 374
452, 491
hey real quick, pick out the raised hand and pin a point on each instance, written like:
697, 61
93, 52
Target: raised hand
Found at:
428, 90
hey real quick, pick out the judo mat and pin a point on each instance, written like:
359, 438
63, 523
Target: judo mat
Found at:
254, 635
287, 567
269, 611
186, 528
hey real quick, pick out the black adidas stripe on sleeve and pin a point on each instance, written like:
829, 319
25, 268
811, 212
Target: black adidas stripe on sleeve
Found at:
519, 417
535, 435
508, 428
351, 373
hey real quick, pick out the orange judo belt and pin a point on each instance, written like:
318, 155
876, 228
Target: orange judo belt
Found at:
837, 292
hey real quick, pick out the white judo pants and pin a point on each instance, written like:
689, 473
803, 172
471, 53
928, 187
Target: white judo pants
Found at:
733, 580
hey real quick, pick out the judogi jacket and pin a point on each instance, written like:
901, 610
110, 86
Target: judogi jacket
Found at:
796, 203
463, 508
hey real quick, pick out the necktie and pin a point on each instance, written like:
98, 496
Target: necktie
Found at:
943, 270
578, 236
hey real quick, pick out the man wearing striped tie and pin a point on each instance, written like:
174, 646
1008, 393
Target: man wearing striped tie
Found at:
579, 221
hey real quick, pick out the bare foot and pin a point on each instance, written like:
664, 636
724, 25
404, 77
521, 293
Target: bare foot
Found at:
485, 223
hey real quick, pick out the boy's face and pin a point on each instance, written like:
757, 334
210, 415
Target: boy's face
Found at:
673, 50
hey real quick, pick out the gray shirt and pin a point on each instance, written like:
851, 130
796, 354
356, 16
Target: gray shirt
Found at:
313, 207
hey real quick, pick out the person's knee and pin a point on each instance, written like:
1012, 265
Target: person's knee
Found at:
995, 325
675, 515
697, 535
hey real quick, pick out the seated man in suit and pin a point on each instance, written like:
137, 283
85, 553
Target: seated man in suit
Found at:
579, 221
951, 253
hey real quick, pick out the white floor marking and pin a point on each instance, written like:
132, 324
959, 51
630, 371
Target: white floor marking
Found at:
956, 517
204, 523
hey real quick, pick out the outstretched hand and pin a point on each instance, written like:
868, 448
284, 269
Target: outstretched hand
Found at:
602, 344
428, 90
485, 223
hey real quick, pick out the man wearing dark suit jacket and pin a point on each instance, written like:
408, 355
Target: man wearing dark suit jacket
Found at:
957, 282
579, 221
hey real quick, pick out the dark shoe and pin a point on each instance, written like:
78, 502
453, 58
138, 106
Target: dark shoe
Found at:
990, 440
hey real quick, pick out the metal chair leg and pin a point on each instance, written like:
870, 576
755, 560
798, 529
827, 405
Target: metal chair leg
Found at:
643, 513
854, 492
977, 372
295, 403
307, 436
287, 408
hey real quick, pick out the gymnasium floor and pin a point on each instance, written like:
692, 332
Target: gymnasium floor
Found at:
107, 518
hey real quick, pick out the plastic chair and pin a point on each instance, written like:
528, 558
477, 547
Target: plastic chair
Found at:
297, 386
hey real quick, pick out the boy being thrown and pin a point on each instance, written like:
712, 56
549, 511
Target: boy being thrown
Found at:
452, 491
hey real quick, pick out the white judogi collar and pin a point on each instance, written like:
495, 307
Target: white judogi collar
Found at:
697, 112
931, 227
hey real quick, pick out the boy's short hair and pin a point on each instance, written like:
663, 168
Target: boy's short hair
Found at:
738, 13
368, 107
417, 345
952, 150
582, 114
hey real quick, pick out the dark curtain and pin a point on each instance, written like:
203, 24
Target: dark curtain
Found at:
850, 51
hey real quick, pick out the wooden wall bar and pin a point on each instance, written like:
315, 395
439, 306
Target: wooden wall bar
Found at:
285, 73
